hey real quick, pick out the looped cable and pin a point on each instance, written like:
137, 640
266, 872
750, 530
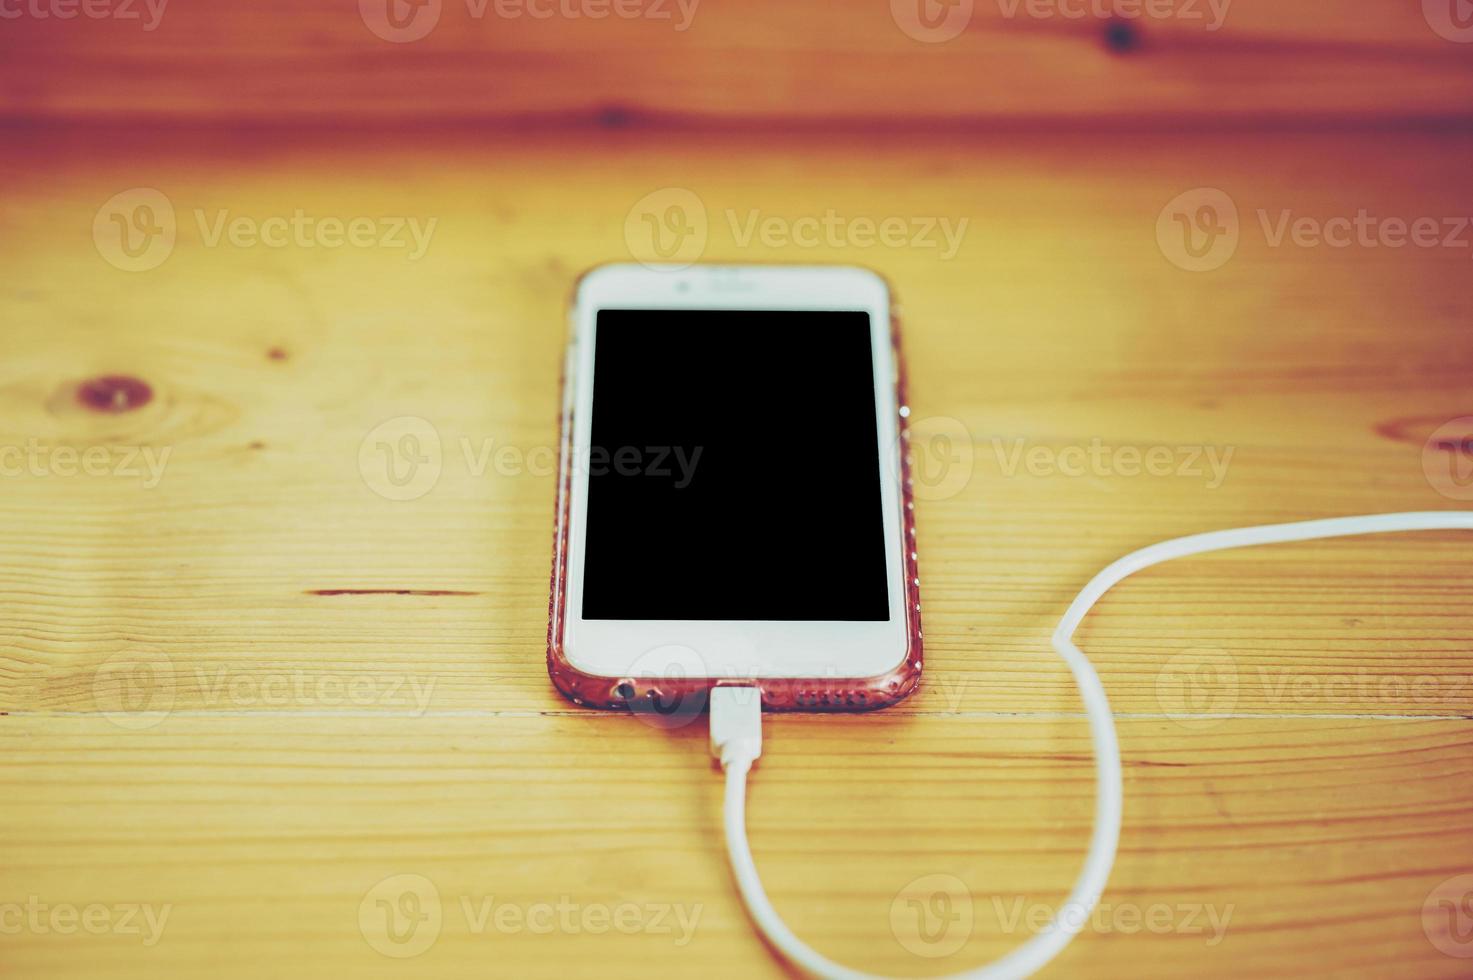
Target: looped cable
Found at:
1105, 838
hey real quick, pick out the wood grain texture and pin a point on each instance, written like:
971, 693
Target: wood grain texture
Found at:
1264, 844
714, 63
257, 687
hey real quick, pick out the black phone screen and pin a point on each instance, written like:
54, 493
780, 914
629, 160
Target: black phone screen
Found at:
734, 468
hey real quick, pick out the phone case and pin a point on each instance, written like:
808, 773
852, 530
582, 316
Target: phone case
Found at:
778, 694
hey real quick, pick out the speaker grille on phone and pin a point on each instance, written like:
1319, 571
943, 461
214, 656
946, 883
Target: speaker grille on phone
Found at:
831, 699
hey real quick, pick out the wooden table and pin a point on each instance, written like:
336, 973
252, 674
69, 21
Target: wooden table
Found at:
255, 687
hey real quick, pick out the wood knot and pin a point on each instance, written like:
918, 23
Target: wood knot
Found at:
114, 393
1121, 36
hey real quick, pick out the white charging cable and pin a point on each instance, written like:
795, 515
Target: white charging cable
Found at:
736, 739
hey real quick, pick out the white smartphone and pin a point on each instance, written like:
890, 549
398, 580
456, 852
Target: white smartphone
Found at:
734, 499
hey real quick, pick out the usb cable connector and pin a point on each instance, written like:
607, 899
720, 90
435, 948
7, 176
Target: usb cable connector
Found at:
736, 726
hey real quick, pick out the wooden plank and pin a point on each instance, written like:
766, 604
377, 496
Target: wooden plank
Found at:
1306, 846
1058, 322
716, 63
